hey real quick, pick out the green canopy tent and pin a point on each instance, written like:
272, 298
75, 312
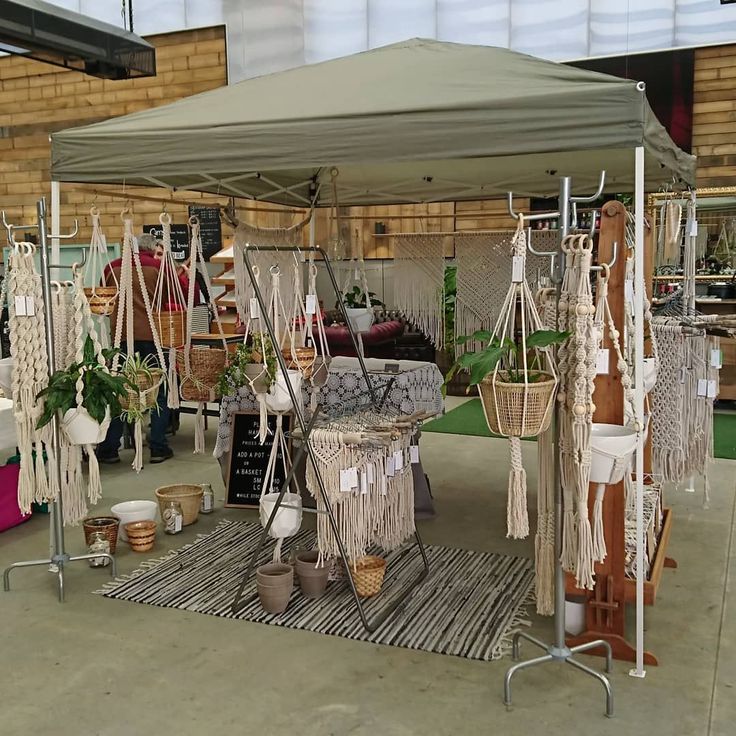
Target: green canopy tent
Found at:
416, 121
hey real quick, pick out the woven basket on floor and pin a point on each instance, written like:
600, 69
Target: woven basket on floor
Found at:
368, 573
517, 409
170, 328
101, 299
188, 495
108, 525
148, 385
205, 366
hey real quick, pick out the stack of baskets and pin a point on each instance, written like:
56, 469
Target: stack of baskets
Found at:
205, 366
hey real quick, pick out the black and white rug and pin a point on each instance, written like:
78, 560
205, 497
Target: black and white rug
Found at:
468, 606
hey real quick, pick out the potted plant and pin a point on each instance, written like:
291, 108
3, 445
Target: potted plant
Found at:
86, 423
516, 399
247, 367
359, 308
144, 380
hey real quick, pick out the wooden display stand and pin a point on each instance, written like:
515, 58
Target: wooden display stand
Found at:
605, 606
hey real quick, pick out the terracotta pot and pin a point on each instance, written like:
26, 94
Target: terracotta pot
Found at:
312, 579
275, 584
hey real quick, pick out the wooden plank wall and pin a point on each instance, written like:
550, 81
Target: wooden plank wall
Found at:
714, 116
37, 99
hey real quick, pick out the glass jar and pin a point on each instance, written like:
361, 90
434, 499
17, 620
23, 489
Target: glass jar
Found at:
99, 543
207, 503
173, 517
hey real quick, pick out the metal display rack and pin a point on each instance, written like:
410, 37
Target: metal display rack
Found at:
59, 558
306, 447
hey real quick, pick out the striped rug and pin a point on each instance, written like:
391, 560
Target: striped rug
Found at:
468, 605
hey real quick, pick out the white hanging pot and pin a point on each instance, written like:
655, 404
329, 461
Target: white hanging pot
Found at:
612, 446
361, 318
6, 376
288, 521
81, 429
278, 398
650, 374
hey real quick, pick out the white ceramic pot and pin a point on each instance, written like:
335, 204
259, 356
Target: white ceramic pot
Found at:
650, 374
612, 447
81, 429
288, 521
6, 377
278, 398
361, 319
129, 511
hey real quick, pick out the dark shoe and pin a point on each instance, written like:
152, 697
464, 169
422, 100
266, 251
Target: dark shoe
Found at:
159, 456
108, 459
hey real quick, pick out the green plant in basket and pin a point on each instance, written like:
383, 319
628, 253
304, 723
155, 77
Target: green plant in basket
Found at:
240, 370
142, 374
356, 299
507, 353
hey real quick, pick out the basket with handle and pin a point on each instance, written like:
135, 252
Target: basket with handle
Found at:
368, 573
145, 394
188, 495
199, 383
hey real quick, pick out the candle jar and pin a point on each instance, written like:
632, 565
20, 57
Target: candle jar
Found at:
173, 517
99, 543
207, 504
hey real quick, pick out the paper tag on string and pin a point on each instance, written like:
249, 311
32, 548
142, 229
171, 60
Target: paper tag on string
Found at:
702, 387
517, 269
345, 486
353, 477
712, 390
414, 453
30, 306
311, 304
364, 482
371, 474
602, 362
255, 312
398, 460
693, 228
390, 471
383, 485
20, 306
716, 358
178, 521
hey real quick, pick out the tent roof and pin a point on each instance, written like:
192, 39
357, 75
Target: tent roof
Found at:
412, 122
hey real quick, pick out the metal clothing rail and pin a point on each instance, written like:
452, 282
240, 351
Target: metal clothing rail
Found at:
59, 557
306, 447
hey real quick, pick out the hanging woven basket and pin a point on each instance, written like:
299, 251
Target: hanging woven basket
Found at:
170, 328
147, 386
205, 366
515, 409
101, 299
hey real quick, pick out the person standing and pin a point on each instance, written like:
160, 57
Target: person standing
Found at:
107, 451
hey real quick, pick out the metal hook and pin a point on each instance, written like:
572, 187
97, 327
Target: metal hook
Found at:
528, 218
598, 191
611, 263
68, 236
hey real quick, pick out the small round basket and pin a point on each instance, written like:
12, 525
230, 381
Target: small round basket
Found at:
205, 367
170, 328
517, 409
189, 496
147, 385
101, 299
108, 525
368, 573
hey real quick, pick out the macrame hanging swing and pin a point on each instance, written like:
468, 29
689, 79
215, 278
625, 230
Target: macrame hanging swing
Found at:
515, 405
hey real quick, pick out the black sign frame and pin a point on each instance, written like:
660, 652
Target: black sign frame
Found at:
210, 228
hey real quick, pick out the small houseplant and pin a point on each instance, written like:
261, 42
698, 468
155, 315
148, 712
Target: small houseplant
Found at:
359, 308
516, 398
247, 365
144, 380
101, 392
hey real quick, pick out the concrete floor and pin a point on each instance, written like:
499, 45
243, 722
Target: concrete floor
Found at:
97, 666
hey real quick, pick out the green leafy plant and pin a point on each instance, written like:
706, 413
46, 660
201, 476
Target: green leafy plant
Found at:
506, 352
142, 374
449, 303
234, 375
355, 298
100, 389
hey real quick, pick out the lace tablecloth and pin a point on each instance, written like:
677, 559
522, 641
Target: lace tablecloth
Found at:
415, 388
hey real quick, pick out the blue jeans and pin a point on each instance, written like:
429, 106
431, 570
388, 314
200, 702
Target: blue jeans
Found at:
159, 419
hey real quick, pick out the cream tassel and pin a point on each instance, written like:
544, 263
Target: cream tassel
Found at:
599, 537
199, 441
42, 485
138, 443
517, 516
94, 487
172, 400
263, 425
584, 566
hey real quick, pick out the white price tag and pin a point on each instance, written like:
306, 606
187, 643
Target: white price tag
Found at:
702, 387
383, 485
602, 362
414, 453
364, 482
712, 390
682, 374
20, 306
517, 269
390, 470
311, 304
178, 519
629, 291
693, 228
255, 312
345, 478
398, 460
30, 306
371, 474
353, 477
716, 358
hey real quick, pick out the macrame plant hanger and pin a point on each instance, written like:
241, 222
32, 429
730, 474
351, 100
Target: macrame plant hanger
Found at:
101, 299
321, 367
515, 408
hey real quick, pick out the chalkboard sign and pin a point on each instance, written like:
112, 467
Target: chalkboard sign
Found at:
179, 239
210, 228
249, 459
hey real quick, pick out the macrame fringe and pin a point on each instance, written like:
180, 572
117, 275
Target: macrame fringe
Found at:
172, 400
544, 541
599, 536
584, 564
138, 443
517, 515
94, 483
199, 441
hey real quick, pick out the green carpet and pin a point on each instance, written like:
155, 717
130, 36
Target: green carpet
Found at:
468, 419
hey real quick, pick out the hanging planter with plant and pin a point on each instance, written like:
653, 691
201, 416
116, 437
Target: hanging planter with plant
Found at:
357, 308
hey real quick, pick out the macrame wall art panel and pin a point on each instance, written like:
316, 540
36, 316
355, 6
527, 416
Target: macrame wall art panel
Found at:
484, 272
419, 278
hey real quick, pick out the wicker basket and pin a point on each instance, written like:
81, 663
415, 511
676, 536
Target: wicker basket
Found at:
108, 525
102, 299
205, 367
504, 405
145, 384
189, 496
141, 535
170, 328
368, 573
